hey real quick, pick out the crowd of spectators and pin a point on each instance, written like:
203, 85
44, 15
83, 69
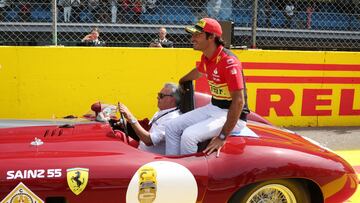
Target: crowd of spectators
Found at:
109, 14
130, 11
102, 11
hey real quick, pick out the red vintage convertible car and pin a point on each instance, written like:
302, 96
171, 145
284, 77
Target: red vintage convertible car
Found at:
77, 160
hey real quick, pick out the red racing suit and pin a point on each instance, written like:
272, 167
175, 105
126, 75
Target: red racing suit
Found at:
224, 74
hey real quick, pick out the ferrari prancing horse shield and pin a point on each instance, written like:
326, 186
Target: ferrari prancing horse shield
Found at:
77, 179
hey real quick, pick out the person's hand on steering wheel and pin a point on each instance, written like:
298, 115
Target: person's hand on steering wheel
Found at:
125, 111
125, 115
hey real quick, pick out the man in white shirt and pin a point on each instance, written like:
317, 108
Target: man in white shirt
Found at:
92, 39
162, 41
154, 139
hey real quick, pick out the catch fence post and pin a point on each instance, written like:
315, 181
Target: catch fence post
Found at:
54, 22
254, 24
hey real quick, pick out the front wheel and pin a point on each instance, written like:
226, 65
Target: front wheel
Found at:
274, 191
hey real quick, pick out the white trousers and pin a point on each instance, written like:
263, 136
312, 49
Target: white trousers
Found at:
183, 133
113, 14
67, 14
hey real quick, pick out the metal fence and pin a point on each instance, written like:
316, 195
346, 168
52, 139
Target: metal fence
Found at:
284, 24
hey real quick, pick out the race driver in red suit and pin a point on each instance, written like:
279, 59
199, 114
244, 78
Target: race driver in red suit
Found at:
226, 114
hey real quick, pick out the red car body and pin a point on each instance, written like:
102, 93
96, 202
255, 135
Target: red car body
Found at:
39, 157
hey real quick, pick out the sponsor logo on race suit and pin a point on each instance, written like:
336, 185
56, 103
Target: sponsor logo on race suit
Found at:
77, 179
215, 75
219, 91
21, 194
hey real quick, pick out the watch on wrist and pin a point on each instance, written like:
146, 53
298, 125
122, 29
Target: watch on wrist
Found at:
222, 137
133, 120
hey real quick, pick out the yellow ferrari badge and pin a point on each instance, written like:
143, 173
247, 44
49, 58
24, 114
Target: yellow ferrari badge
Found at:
77, 179
21, 194
147, 184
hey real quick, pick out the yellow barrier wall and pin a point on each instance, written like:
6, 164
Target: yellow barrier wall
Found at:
46, 82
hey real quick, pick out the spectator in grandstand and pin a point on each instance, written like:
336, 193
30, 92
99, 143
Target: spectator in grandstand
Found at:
197, 8
60, 10
136, 10
132, 10
356, 8
66, 4
289, 14
3, 9
309, 12
114, 7
94, 6
267, 11
149, 6
76, 6
103, 11
24, 11
162, 41
220, 9
92, 39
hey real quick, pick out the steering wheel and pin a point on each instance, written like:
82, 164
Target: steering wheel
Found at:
123, 123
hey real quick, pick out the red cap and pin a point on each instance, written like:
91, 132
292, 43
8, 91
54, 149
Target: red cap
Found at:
206, 25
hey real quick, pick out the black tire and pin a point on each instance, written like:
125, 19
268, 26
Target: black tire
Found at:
290, 190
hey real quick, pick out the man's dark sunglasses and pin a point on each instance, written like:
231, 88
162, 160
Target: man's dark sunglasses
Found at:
161, 95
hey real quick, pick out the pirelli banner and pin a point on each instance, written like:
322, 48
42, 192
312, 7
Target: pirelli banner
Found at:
289, 88
304, 88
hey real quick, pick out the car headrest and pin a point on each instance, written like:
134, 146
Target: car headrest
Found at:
187, 97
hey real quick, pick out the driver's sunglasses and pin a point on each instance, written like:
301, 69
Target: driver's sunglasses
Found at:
161, 95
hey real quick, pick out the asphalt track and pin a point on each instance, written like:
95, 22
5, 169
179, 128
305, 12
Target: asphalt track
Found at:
345, 141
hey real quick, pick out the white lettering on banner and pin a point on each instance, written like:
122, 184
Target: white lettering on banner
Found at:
32, 174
